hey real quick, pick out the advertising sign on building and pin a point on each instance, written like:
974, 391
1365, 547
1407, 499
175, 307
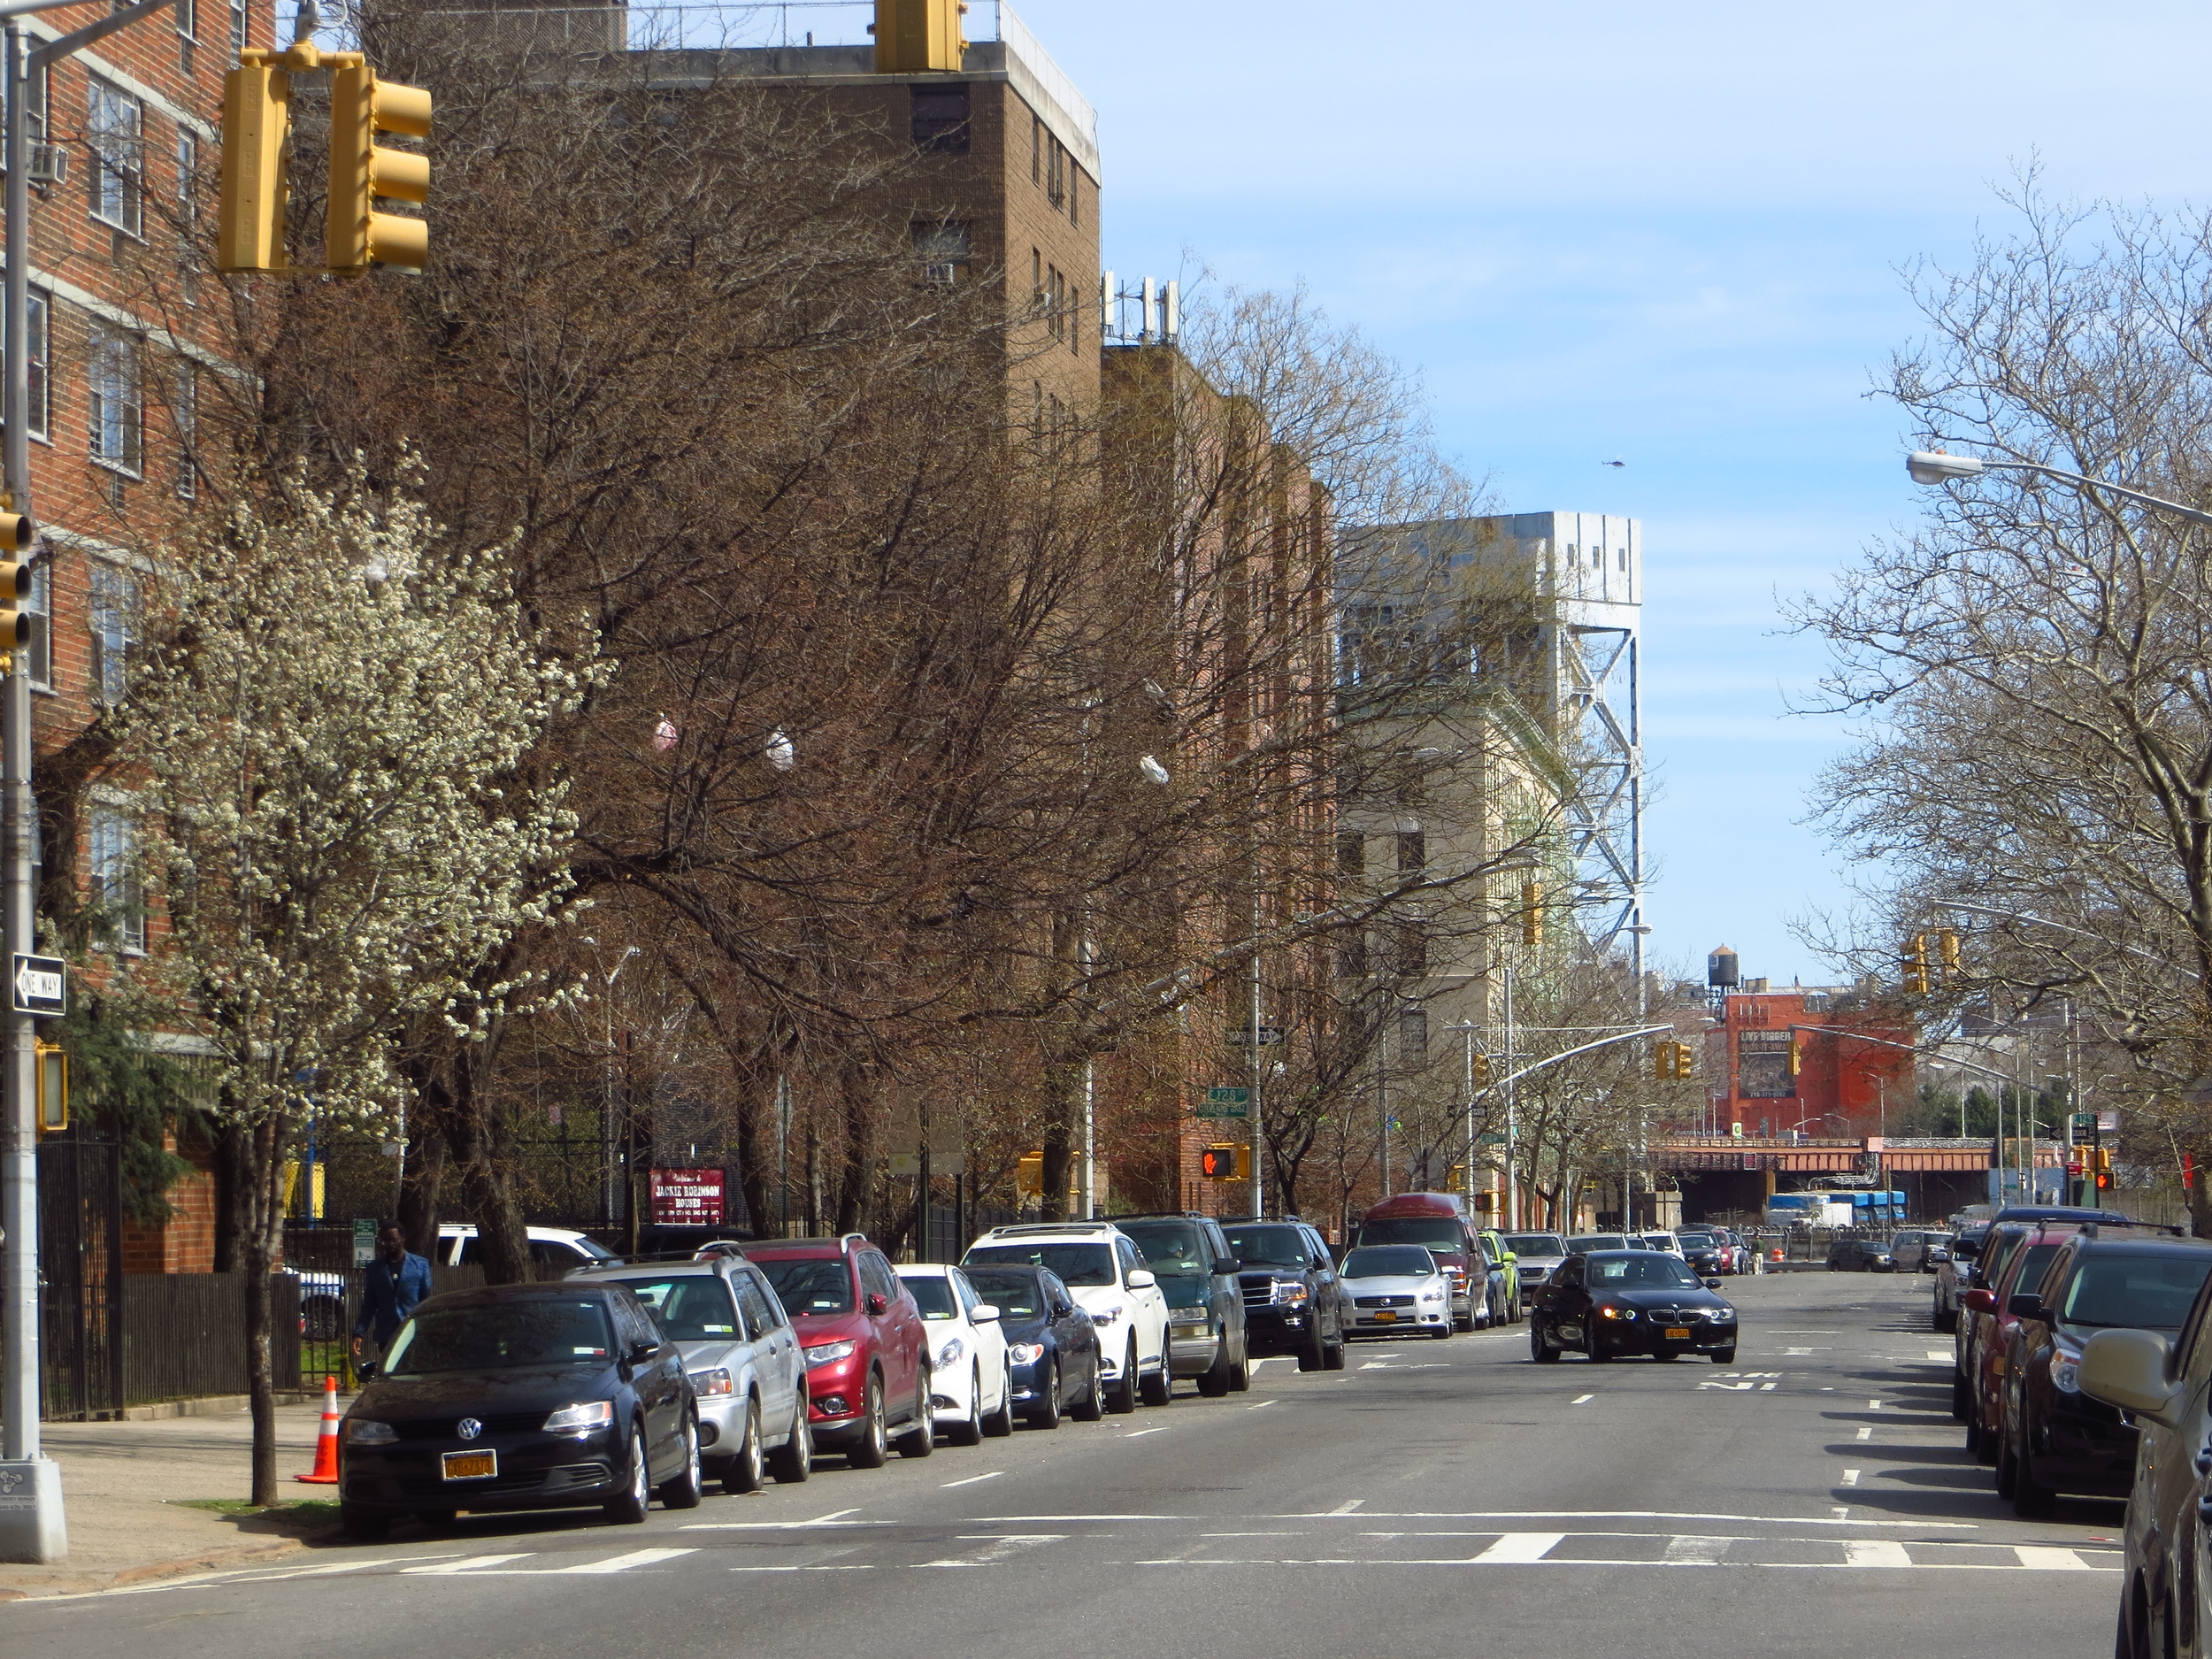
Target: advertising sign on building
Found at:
687, 1198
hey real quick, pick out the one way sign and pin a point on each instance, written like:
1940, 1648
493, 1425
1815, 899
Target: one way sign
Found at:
41, 986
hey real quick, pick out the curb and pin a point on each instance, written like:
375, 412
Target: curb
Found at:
147, 1573
206, 1406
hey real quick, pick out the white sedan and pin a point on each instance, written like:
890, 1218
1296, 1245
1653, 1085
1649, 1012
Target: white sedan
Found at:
1396, 1289
971, 1378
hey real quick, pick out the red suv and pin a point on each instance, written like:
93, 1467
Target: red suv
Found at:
867, 1351
1989, 1308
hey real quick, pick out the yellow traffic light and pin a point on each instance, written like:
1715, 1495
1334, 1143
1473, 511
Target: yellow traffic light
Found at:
1531, 914
1797, 1058
361, 170
257, 153
1479, 1065
917, 36
53, 1089
15, 582
1662, 1061
1915, 957
1948, 943
1681, 1059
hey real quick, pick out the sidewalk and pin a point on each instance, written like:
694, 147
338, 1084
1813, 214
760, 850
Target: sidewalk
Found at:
125, 1486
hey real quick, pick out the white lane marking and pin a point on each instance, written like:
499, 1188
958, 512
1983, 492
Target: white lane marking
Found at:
623, 1564
1251, 1534
831, 1519
1840, 1513
971, 1479
1941, 1353
1491, 1515
998, 1546
1873, 1405
1264, 1405
1866, 1431
1137, 1434
1875, 1552
467, 1563
1348, 1506
1520, 1548
1732, 1387
1766, 1387
1581, 1400
1850, 1478
1690, 1551
2048, 1560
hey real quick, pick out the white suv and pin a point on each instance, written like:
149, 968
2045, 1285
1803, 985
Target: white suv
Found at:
562, 1249
1102, 1266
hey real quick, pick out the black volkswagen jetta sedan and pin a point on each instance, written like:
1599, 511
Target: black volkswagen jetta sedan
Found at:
521, 1397
1612, 1302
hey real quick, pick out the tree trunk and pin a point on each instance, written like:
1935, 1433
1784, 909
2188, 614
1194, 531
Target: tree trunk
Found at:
1064, 1105
421, 1186
233, 1195
263, 1238
856, 1082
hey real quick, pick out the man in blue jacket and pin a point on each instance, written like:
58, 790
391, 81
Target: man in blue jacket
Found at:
395, 1282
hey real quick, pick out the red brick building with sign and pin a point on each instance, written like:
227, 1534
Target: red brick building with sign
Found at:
1845, 1076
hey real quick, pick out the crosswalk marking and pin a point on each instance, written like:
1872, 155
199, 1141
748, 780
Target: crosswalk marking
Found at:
1520, 1547
1875, 1552
623, 1564
467, 1563
2050, 1559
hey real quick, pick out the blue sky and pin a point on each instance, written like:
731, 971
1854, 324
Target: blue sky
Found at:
1667, 234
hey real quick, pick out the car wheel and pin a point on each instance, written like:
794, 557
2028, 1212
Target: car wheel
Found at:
1724, 1356
969, 1429
1090, 1406
742, 1472
2032, 1500
1958, 1395
1159, 1388
920, 1439
2007, 1465
684, 1489
1666, 1359
1542, 1352
1218, 1377
1001, 1422
1241, 1379
1940, 1320
363, 1526
794, 1461
1121, 1399
1045, 1413
872, 1449
1595, 1350
628, 1506
1309, 1355
1332, 1353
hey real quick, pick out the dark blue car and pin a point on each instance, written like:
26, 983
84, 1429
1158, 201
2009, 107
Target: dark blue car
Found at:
1051, 1345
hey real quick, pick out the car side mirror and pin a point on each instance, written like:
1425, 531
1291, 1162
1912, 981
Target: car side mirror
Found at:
640, 1352
1979, 1300
1061, 1310
1712, 1284
1228, 1265
1937, 1252
2025, 1305
1139, 1279
879, 1305
983, 1313
2127, 1369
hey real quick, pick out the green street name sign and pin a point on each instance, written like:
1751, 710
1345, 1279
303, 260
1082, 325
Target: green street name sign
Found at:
1226, 1102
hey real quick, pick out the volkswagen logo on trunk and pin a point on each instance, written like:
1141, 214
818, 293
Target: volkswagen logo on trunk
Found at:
469, 1428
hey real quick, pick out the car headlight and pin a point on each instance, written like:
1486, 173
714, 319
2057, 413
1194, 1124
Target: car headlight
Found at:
1290, 1292
1609, 1312
706, 1384
822, 1353
595, 1414
2066, 1373
361, 1432
950, 1354
1105, 1316
1025, 1353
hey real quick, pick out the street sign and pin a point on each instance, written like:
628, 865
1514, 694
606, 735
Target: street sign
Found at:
2108, 1123
1226, 1101
1490, 1140
1243, 1035
364, 1241
41, 986
687, 1198
2084, 1121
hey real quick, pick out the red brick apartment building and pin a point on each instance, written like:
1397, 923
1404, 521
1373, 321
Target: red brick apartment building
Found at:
124, 340
1845, 1075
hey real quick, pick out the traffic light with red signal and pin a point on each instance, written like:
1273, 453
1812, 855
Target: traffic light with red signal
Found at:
1225, 1162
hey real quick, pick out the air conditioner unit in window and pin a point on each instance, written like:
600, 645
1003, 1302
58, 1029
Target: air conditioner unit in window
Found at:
49, 164
943, 275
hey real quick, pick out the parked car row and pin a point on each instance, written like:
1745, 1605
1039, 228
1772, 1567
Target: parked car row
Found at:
2082, 1370
625, 1379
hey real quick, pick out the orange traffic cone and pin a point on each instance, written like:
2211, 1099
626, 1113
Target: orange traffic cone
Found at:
325, 1443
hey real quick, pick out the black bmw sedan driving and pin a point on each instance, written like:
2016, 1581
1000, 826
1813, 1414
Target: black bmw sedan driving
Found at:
521, 1397
1613, 1302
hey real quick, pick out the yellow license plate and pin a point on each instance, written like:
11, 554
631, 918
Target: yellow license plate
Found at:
1386, 1317
469, 1465
1677, 1333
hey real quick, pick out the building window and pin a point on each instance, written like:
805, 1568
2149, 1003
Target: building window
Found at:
238, 15
1413, 852
1075, 187
1409, 948
1413, 1038
1056, 174
117, 421
115, 125
1351, 955
40, 347
1351, 854
941, 119
186, 419
1624, 558
1036, 149
116, 897
37, 606
944, 250
35, 104
114, 616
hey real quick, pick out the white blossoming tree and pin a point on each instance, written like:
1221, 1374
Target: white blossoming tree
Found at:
329, 750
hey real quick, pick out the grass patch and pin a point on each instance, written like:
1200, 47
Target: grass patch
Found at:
298, 1510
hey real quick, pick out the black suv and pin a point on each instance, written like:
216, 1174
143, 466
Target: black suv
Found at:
1293, 1302
1197, 1271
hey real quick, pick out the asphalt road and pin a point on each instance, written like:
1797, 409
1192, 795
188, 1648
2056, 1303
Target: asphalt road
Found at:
1435, 1498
